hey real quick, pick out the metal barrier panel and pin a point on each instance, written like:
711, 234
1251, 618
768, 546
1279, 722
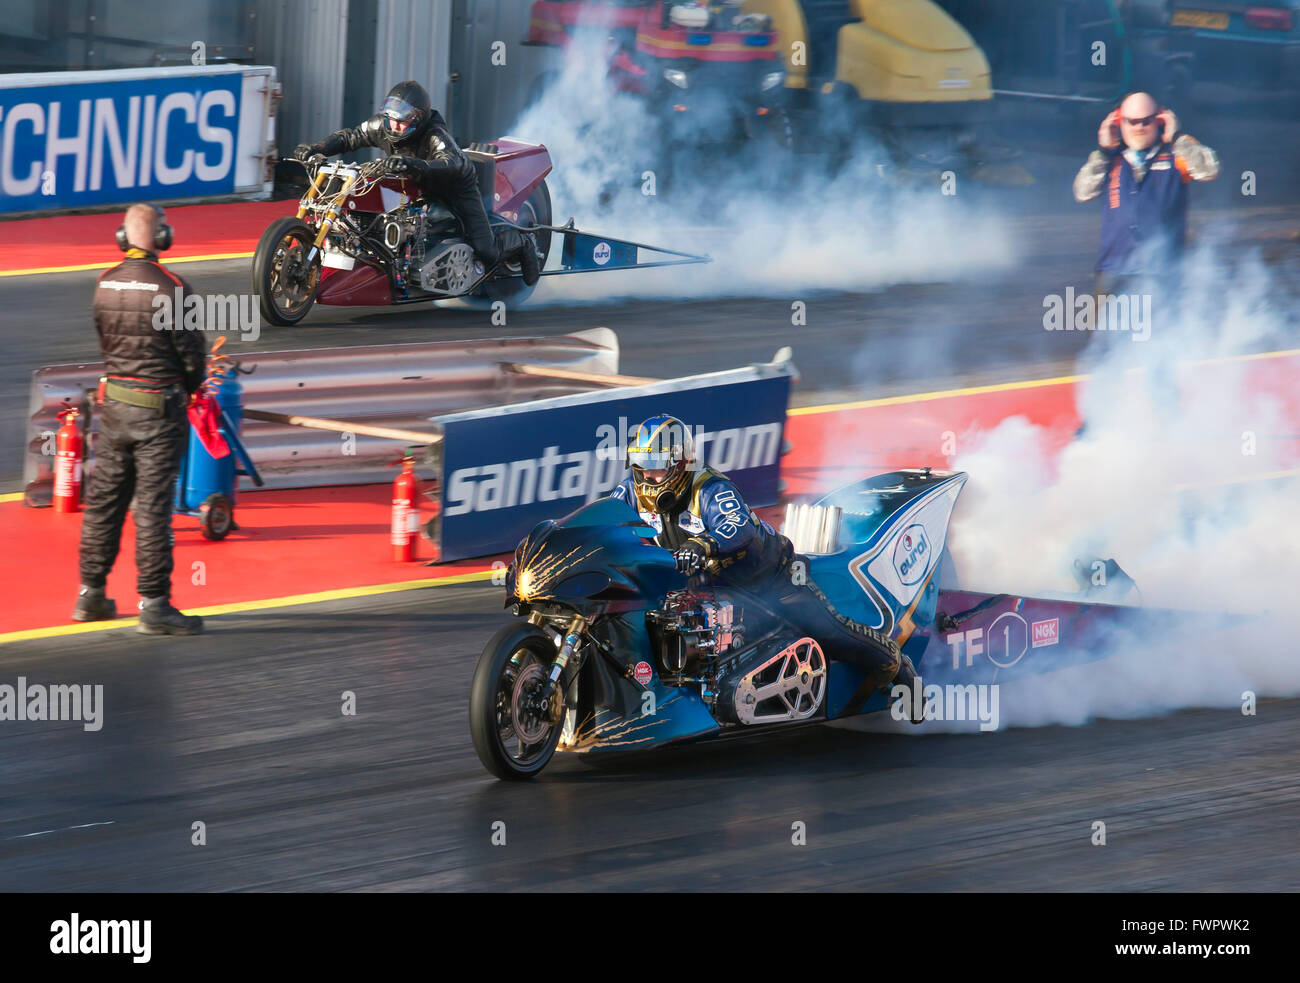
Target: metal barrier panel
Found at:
306, 40
387, 385
506, 469
491, 93
413, 41
79, 139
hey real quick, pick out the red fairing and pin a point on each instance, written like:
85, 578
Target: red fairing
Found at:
520, 169
373, 199
361, 286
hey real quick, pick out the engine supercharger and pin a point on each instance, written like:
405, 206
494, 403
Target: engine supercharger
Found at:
406, 511
67, 463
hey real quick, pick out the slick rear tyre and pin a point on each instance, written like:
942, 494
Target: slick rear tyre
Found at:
513, 743
536, 210
285, 283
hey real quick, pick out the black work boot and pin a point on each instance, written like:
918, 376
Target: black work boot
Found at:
92, 605
529, 263
158, 617
914, 706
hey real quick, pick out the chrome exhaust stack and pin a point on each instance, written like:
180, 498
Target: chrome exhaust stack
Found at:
813, 529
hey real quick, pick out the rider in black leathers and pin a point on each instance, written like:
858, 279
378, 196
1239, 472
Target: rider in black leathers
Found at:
418, 145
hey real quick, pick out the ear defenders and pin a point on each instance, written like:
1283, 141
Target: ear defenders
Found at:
162, 234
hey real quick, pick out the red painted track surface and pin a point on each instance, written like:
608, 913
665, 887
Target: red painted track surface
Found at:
290, 542
311, 540
85, 240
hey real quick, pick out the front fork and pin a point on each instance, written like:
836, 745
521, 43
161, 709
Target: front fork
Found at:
568, 644
330, 216
327, 222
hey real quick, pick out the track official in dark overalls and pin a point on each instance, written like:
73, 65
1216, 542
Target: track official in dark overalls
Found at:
152, 366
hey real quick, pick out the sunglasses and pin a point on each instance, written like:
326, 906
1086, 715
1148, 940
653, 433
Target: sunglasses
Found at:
1140, 121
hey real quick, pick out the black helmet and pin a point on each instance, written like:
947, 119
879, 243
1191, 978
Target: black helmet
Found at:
405, 109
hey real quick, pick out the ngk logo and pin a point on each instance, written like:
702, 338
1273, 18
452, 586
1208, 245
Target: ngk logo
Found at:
1045, 632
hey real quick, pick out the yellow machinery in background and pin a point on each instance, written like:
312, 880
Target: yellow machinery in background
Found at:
896, 64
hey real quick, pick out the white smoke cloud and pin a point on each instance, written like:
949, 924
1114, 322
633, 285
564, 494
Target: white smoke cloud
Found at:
1188, 492
817, 226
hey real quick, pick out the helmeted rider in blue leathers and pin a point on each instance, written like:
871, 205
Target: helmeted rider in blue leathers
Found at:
699, 515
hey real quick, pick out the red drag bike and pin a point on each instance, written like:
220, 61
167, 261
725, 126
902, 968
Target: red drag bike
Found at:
361, 239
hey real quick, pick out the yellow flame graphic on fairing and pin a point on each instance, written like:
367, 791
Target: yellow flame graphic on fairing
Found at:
539, 578
616, 733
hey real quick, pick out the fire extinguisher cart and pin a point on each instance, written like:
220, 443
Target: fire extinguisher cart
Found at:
205, 486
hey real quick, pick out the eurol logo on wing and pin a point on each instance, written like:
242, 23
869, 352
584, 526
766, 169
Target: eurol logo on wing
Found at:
601, 253
912, 554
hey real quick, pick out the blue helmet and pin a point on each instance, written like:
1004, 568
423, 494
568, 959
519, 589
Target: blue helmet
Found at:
661, 443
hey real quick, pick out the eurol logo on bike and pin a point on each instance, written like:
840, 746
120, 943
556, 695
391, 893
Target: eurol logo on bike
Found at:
83, 143
911, 554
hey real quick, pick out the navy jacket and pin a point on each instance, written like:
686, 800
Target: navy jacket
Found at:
1144, 207
748, 550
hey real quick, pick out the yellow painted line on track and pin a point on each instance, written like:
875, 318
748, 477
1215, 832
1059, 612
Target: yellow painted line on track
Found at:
239, 607
103, 266
938, 394
11, 497
1010, 386
1219, 482
1284, 353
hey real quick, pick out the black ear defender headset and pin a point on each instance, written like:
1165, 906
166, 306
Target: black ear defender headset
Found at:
162, 233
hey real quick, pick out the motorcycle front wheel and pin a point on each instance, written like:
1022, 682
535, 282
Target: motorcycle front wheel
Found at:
514, 732
284, 281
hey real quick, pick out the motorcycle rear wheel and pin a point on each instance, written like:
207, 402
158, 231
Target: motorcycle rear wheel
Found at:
513, 741
536, 210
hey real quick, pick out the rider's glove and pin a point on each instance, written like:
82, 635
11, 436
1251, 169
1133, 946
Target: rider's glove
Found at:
691, 556
397, 167
305, 152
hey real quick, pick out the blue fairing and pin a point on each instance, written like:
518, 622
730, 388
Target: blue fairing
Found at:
892, 536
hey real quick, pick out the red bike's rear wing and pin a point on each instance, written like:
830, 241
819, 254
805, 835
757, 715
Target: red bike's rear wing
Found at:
585, 252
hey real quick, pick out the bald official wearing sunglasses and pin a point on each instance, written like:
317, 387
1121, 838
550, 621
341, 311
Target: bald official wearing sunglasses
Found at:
1142, 168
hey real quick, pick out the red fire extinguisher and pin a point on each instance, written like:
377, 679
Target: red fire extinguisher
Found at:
406, 511
67, 463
